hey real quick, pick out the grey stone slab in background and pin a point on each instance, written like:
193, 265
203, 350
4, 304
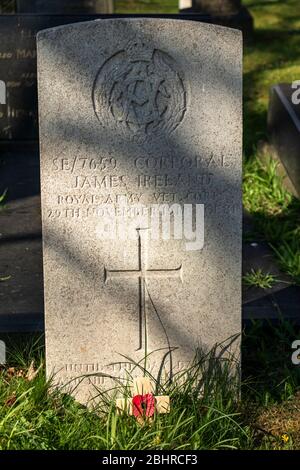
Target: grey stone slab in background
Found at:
132, 111
218, 7
284, 132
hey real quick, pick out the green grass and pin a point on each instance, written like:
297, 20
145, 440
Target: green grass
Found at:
206, 409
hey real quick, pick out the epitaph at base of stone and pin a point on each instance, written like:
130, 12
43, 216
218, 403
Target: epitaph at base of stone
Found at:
135, 115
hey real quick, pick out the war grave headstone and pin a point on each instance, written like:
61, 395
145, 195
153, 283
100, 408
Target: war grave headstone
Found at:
133, 118
284, 132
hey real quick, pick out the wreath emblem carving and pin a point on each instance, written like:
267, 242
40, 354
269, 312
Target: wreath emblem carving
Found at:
139, 92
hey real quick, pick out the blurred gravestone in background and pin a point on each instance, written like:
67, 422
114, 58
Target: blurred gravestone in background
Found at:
224, 12
284, 134
7, 6
18, 120
66, 7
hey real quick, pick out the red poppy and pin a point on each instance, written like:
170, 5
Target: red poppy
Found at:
144, 405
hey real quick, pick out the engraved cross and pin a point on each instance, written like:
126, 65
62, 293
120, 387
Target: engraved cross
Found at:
142, 274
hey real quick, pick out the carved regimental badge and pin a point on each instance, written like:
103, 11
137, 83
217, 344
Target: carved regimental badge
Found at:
140, 92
